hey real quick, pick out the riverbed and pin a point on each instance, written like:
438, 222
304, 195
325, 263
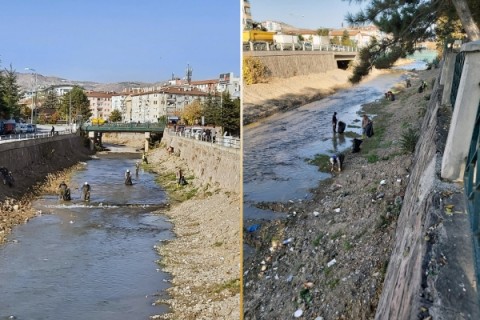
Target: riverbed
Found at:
90, 260
276, 148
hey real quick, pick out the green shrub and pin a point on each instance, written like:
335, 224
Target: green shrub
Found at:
372, 158
409, 139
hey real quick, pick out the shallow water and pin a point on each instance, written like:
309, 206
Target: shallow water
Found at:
90, 260
276, 149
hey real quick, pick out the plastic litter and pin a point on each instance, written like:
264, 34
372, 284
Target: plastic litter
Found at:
253, 228
337, 210
290, 278
331, 263
298, 313
316, 213
383, 182
287, 241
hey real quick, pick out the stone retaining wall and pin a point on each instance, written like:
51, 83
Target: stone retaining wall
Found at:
212, 164
32, 160
284, 64
424, 276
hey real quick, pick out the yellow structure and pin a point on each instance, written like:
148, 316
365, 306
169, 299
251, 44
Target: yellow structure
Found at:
257, 36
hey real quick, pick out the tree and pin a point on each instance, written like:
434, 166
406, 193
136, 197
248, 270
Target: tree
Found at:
51, 100
115, 116
322, 32
407, 23
212, 110
3, 108
10, 92
230, 114
192, 112
80, 104
345, 38
335, 40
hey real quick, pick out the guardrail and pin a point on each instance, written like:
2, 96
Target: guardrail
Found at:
265, 46
472, 189
224, 141
28, 136
125, 127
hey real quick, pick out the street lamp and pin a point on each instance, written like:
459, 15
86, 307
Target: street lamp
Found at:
69, 107
35, 88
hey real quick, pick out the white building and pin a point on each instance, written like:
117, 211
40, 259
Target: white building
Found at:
119, 103
228, 82
168, 101
272, 26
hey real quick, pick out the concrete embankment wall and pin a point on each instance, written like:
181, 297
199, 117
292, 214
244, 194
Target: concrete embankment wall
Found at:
424, 277
212, 164
285, 64
32, 160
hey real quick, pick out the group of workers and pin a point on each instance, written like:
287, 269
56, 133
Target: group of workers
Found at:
65, 195
336, 160
64, 190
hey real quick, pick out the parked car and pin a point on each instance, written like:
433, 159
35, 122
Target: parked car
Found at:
21, 128
31, 128
197, 133
187, 132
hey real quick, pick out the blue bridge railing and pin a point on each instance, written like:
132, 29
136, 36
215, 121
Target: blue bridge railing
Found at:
472, 189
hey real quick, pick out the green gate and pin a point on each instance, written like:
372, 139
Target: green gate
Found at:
472, 189
457, 75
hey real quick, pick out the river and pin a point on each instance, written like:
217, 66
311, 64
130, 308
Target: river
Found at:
92, 260
275, 149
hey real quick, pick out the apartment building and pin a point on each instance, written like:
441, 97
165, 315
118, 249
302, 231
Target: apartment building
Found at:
100, 104
151, 106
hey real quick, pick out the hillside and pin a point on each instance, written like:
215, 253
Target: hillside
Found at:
26, 82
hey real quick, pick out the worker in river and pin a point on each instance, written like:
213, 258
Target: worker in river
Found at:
128, 178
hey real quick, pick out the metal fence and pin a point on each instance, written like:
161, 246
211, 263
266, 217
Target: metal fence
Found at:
265, 46
223, 141
457, 75
28, 136
472, 188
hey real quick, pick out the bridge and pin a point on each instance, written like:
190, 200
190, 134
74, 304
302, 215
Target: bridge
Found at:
95, 131
125, 127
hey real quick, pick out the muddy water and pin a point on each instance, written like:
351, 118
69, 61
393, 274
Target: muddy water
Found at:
89, 260
275, 149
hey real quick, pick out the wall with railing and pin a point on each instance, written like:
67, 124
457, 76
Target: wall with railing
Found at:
213, 163
31, 160
464, 96
289, 64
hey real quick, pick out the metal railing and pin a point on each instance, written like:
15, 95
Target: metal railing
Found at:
457, 75
265, 46
125, 127
472, 188
224, 141
27, 136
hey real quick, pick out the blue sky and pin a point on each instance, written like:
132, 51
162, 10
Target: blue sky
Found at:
121, 40
310, 14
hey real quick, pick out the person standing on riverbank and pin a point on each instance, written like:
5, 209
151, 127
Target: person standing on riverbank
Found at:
334, 122
365, 123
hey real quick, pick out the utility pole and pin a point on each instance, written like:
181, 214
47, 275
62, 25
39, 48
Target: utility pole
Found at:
34, 95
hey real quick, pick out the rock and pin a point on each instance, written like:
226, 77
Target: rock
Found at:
331, 263
298, 313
